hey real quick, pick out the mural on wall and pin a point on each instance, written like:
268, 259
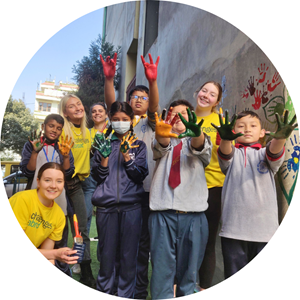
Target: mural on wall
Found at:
261, 94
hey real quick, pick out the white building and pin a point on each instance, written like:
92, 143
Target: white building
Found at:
48, 98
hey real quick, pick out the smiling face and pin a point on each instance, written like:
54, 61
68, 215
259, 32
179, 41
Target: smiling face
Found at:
50, 186
179, 127
99, 114
138, 105
207, 97
251, 128
52, 130
74, 110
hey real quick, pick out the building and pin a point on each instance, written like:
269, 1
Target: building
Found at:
48, 97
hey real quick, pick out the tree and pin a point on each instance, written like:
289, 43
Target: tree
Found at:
89, 72
18, 122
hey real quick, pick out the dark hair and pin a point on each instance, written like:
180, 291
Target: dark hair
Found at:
98, 103
124, 107
182, 102
250, 113
58, 118
50, 165
139, 88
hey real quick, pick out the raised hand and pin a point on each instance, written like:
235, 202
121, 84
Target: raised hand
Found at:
164, 126
102, 144
226, 130
109, 66
65, 146
127, 142
150, 68
192, 128
284, 128
35, 141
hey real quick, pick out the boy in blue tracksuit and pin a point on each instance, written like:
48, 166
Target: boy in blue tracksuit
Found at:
46, 149
119, 167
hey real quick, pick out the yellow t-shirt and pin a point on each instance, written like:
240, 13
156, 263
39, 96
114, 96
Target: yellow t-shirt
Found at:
213, 173
37, 220
81, 152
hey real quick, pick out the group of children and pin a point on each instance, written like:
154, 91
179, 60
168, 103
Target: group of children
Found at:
156, 181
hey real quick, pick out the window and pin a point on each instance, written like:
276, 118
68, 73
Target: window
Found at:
44, 106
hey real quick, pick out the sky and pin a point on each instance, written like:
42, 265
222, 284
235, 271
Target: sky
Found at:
25, 26
55, 59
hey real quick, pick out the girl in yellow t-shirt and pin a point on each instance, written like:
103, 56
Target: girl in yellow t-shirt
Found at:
40, 216
72, 110
208, 97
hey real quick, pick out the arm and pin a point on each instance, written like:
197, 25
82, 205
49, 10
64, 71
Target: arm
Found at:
61, 254
109, 70
99, 172
28, 161
151, 75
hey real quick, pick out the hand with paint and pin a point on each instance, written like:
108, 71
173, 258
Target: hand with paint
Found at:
102, 144
226, 130
164, 126
65, 146
35, 141
192, 128
127, 142
284, 128
109, 66
150, 68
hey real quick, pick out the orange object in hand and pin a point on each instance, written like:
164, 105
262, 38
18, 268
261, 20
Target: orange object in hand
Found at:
78, 238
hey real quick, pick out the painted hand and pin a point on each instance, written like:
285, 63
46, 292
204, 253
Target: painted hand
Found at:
102, 145
35, 141
192, 128
150, 69
226, 130
127, 142
163, 127
109, 66
65, 146
284, 128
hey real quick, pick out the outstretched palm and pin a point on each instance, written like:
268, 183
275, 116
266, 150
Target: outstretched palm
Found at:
102, 144
192, 128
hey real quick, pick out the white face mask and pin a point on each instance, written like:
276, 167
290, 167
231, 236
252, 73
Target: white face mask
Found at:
120, 126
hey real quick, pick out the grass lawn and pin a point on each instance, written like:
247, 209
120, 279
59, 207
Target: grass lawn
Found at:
95, 263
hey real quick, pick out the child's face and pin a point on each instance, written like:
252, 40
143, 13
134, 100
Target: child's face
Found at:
98, 114
51, 184
139, 106
52, 130
208, 96
74, 110
179, 127
251, 128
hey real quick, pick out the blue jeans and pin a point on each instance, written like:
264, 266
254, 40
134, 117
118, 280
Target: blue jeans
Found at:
88, 186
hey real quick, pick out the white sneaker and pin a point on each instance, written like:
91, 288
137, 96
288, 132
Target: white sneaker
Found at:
76, 269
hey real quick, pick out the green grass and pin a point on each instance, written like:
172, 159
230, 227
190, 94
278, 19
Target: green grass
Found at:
95, 265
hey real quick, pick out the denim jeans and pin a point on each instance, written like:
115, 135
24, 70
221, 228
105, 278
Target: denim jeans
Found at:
88, 187
76, 196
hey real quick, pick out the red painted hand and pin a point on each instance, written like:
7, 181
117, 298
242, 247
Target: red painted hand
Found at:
109, 66
150, 68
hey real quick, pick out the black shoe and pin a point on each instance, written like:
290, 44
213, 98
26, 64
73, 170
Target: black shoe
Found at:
87, 275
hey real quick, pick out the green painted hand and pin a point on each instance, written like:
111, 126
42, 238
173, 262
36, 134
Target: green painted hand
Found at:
192, 128
226, 131
127, 142
102, 144
35, 141
284, 128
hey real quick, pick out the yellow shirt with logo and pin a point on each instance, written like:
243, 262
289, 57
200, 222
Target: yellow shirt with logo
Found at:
81, 152
37, 220
214, 175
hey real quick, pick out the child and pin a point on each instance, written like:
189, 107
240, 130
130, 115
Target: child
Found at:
208, 96
144, 103
40, 217
178, 198
47, 149
249, 202
119, 168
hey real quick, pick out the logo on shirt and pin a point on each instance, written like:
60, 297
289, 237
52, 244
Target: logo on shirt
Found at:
132, 156
37, 220
262, 167
144, 128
